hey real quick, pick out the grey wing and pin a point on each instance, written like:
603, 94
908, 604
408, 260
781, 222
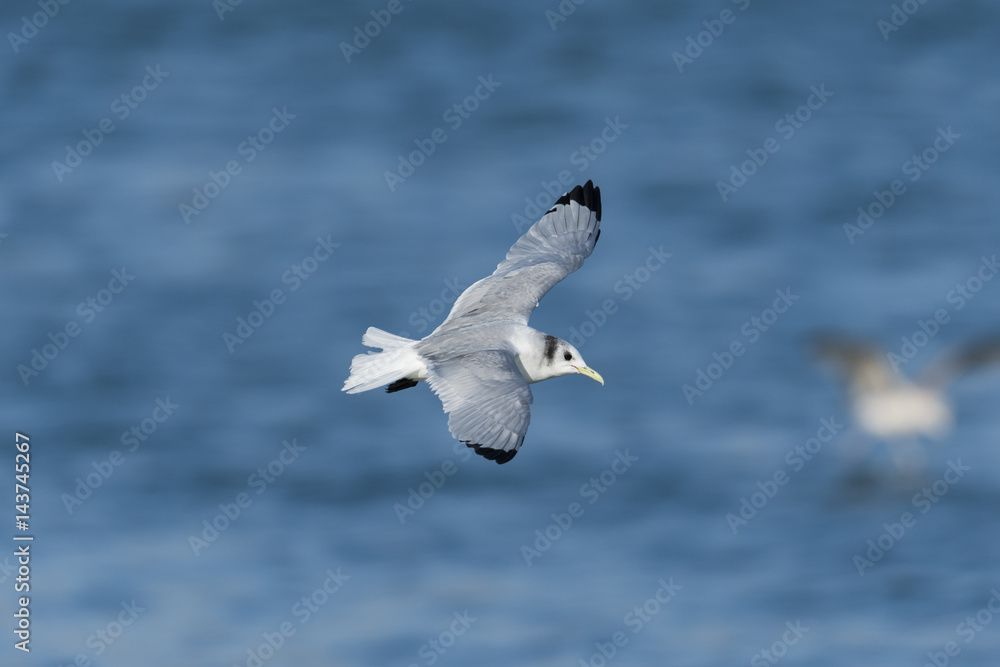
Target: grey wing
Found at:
863, 364
550, 250
487, 400
963, 359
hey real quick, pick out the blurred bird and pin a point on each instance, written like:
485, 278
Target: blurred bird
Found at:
894, 409
482, 358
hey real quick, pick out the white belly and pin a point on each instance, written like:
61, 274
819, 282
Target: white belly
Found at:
903, 411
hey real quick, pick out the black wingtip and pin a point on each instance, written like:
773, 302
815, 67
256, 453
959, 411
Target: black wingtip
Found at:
980, 353
499, 455
399, 385
585, 195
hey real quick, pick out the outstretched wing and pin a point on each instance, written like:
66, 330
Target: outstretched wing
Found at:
949, 365
487, 401
864, 365
553, 248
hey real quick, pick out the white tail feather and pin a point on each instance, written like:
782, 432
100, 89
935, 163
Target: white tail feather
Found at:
383, 340
374, 369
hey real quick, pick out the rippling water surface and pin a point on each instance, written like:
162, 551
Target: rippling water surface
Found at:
170, 172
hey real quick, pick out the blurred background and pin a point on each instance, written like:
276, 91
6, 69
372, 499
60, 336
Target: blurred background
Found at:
204, 204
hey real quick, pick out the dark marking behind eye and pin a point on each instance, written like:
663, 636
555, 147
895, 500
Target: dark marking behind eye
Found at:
551, 343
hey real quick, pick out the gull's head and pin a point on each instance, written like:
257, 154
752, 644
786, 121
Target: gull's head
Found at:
559, 358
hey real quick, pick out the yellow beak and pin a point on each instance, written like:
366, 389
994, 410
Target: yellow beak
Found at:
589, 372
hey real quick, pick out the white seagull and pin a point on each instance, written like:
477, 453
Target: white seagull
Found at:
892, 408
482, 358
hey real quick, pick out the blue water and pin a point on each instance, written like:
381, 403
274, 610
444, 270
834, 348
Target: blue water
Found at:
118, 576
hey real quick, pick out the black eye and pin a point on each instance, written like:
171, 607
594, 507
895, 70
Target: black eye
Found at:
567, 356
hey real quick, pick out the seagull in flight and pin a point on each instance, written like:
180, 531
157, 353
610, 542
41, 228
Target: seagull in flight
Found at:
891, 407
482, 359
